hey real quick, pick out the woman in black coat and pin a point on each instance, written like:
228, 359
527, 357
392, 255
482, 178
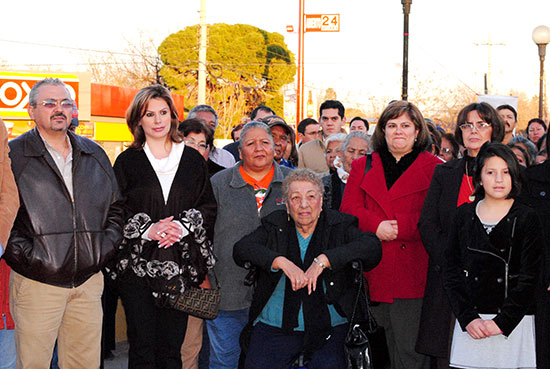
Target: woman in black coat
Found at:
170, 212
537, 194
450, 187
305, 289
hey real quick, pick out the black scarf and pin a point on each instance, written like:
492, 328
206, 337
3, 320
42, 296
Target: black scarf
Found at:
316, 314
393, 169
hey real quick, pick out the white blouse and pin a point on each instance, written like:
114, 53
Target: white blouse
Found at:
166, 168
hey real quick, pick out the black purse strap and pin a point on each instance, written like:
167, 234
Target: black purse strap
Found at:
362, 294
368, 163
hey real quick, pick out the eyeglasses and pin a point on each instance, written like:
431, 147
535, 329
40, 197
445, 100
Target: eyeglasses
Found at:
469, 127
198, 146
446, 150
51, 103
313, 133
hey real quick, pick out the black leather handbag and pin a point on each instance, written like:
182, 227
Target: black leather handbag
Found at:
365, 344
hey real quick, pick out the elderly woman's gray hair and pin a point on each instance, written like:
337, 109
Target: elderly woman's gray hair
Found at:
302, 175
251, 125
355, 134
337, 137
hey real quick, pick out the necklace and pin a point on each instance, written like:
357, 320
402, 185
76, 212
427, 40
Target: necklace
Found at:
472, 197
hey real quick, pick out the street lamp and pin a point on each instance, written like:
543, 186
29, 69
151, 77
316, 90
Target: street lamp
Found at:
541, 36
406, 11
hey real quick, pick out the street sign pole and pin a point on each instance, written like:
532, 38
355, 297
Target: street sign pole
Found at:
310, 23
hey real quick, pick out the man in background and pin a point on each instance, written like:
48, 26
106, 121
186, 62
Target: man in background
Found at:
332, 118
208, 116
308, 130
509, 117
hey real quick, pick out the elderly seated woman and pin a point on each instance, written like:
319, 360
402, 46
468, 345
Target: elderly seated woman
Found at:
305, 289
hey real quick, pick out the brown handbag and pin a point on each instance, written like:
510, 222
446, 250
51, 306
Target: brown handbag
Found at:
202, 302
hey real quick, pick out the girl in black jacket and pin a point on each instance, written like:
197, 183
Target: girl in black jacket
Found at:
491, 268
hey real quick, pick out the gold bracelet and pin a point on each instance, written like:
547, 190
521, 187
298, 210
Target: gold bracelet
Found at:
316, 261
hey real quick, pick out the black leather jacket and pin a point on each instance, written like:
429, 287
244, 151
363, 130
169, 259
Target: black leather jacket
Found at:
495, 273
57, 240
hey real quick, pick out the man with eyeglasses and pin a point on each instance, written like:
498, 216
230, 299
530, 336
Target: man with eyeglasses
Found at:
332, 118
67, 228
308, 130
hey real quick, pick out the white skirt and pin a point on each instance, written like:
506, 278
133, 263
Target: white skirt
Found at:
512, 352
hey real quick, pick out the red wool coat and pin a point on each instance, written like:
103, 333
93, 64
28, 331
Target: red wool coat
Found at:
403, 269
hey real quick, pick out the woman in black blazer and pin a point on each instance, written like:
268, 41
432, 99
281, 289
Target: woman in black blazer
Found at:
451, 186
170, 212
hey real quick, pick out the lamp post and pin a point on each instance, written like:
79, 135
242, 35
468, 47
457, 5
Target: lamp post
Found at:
406, 11
541, 36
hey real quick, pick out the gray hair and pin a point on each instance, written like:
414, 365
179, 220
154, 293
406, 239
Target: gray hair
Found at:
251, 125
207, 108
303, 175
531, 148
49, 82
335, 137
355, 134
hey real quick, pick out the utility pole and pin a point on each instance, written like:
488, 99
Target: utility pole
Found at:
300, 75
487, 76
202, 54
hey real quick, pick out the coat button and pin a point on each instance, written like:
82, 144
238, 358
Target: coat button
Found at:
403, 246
500, 280
331, 284
543, 193
476, 279
502, 250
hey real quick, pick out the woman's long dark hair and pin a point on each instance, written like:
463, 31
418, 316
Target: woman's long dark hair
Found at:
489, 150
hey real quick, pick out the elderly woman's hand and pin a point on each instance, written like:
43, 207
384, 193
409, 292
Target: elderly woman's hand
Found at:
293, 273
315, 270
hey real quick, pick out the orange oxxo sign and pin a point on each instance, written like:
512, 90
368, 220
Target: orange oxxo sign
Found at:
16, 86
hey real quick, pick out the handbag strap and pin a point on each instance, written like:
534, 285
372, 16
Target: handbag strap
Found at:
368, 163
215, 278
358, 266
362, 291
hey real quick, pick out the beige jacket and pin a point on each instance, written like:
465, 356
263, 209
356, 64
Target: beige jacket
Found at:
311, 155
9, 197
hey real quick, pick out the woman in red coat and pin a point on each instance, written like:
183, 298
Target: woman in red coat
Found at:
387, 200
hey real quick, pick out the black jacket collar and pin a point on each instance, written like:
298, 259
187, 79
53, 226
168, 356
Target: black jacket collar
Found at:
34, 146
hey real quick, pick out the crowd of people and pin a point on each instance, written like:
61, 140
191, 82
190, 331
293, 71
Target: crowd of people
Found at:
449, 228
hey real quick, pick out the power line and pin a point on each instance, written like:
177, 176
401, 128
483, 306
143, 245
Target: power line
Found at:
70, 48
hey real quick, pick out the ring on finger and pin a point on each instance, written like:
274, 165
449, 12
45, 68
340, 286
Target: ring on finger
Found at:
163, 234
